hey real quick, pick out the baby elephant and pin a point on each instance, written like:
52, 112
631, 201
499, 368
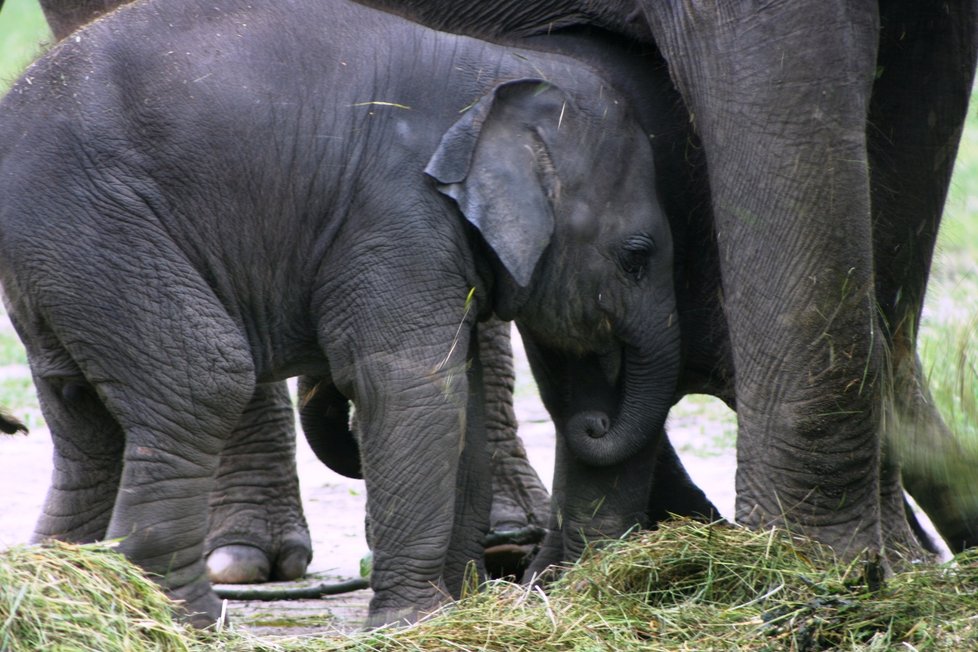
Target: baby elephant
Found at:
196, 197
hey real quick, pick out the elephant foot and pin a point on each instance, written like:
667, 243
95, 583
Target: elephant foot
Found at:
524, 535
509, 551
508, 560
546, 563
244, 563
199, 605
516, 518
238, 564
393, 616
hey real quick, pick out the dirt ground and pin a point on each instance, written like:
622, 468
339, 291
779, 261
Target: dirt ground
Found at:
702, 431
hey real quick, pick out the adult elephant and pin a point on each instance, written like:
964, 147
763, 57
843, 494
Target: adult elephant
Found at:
258, 530
65, 16
829, 131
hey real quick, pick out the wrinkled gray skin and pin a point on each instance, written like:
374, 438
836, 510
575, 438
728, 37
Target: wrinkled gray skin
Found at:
161, 197
591, 502
903, 67
827, 132
520, 504
257, 530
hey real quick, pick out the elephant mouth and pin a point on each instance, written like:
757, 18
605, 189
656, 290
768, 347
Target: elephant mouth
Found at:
610, 364
598, 404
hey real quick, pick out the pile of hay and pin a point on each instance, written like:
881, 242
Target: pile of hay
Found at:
686, 586
64, 597
689, 586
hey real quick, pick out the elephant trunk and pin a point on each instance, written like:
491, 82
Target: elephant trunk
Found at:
649, 386
325, 417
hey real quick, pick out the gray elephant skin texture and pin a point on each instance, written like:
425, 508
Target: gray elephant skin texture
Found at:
824, 134
894, 80
193, 205
253, 540
257, 529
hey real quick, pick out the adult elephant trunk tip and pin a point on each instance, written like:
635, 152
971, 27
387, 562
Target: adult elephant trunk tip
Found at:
592, 436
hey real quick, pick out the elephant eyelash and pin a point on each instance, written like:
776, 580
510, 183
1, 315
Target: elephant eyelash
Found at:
634, 255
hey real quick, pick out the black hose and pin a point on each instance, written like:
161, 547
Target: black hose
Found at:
299, 593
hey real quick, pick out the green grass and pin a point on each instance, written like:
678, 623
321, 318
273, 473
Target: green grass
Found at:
948, 340
23, 34
62, 597
11, 350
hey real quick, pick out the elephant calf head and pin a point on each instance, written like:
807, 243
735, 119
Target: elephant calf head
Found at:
561, 190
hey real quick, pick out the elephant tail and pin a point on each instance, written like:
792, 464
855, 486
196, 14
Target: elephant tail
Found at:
10, 425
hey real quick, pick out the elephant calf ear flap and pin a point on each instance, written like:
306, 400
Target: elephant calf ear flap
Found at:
495, 165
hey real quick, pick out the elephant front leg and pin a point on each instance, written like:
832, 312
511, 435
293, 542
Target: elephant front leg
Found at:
520, 502
411, 416
673, 492
474, 488
258, 531
781, 108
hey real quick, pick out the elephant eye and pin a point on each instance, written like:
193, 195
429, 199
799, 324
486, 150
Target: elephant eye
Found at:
633, 257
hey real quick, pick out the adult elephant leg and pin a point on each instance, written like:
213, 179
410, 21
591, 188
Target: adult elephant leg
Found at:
88, 446
927, 62
779, 94
258, 531
519, 499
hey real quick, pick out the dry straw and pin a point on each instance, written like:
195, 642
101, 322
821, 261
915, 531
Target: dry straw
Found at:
686, 586
59, 596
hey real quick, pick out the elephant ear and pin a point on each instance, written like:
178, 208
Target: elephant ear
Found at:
495, 164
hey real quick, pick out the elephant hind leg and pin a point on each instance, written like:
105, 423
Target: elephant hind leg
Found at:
918, 110
88, 445
177, 418
258, 531
175, 373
